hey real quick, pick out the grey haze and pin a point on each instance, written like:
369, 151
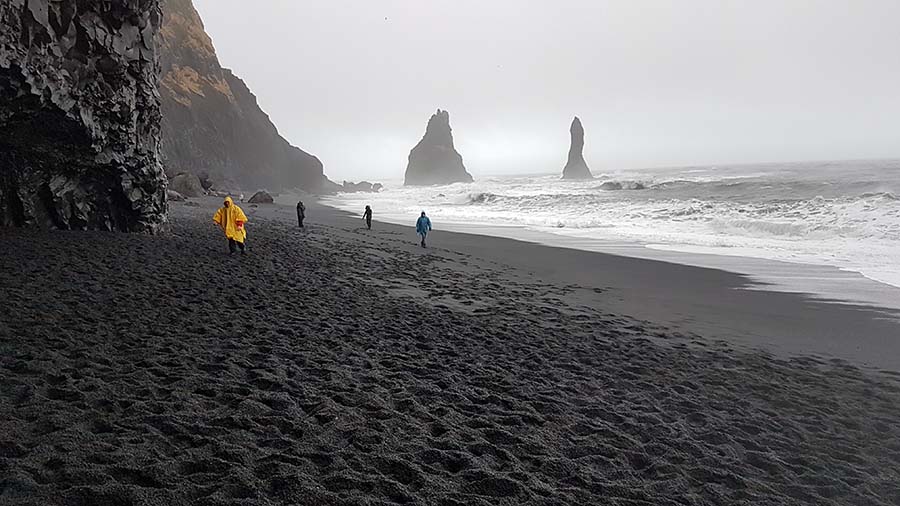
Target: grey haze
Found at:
656, 83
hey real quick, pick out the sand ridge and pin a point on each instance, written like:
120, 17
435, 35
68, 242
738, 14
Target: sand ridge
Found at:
335, 367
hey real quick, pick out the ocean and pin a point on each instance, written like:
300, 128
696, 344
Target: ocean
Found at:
844, 214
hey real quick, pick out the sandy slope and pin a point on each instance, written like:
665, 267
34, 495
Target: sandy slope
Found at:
345, 367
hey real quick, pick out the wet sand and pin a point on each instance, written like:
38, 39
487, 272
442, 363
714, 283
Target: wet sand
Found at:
344, 366
714, 302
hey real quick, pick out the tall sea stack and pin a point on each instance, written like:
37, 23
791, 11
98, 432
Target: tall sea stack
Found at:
434, 160
576, 167
212, 124
80, 116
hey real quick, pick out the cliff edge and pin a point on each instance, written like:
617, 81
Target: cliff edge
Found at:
212, 124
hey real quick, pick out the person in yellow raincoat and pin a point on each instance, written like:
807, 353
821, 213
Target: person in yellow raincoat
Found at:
231, 219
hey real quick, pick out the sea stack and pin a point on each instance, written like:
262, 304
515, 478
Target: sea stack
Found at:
576, 167
80, 116
434, 160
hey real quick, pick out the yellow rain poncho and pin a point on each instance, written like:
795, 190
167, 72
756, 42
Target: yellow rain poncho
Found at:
232, 219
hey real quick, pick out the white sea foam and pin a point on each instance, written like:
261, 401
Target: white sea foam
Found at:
845, 215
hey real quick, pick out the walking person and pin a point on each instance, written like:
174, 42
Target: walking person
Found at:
367, 215
301, 213
423, 226
231, 219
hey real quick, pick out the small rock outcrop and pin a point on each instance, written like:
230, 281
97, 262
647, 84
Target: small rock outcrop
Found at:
434, 160
212, 124
576, 167
174, 196
627, 185
80, 115
261, 197
188, 185
361, 187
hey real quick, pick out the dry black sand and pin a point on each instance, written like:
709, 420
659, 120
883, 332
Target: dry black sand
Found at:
343, 366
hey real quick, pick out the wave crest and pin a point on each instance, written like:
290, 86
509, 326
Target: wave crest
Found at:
482, 198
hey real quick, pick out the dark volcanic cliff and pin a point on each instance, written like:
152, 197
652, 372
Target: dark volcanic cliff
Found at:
434, 160
212, 123
79, 115
576, 167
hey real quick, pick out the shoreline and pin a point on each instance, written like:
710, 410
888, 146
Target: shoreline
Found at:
821, 282
712, 301
741, 234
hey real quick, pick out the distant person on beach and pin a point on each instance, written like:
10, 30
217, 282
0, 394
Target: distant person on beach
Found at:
301, 213
367, 215
231, 219
423, 226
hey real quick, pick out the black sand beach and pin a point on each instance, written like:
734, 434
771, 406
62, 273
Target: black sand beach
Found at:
342, 366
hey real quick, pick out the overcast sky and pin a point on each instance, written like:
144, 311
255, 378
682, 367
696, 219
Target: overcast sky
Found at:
656, 83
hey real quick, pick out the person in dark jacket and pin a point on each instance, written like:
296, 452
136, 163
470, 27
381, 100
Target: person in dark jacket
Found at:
367, 215
301, 213
423, 226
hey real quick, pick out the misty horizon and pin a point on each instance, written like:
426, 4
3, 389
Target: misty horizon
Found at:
656, 85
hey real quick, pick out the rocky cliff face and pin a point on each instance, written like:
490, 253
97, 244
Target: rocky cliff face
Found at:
79, 115
576, 167
212, 124
434, 160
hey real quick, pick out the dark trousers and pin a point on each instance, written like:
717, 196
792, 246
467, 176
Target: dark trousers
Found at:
369, 223
300, 218
233, 245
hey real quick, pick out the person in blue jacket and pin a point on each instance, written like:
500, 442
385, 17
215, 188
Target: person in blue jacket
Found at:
423, 226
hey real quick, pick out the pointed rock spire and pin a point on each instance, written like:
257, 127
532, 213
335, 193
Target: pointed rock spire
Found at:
576, 167
434, 160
